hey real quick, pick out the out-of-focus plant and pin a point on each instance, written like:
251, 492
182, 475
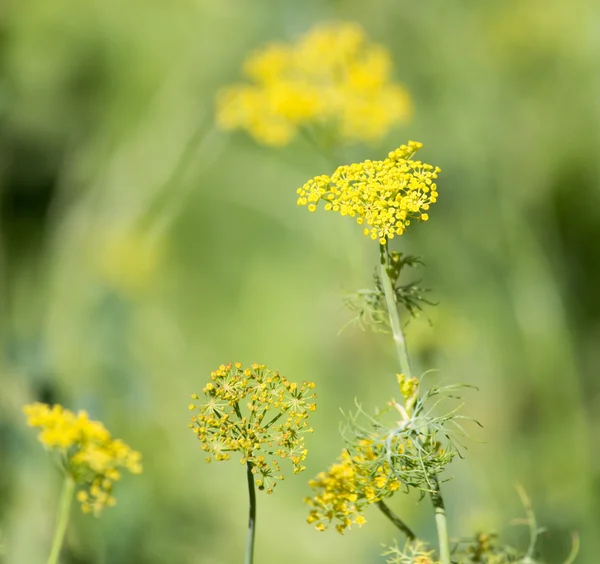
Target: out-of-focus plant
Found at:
127, 260
90, 459
262, 416
332, 78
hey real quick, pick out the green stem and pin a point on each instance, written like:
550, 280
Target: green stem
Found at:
64, 508
441, 523
396, 520
252, 515
392, 307
400, 342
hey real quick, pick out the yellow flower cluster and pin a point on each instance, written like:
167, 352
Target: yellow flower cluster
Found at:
255, 412
346, 489
382, 195
88, 453
332, 76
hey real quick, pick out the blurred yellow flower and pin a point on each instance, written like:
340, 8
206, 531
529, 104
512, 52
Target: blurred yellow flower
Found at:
382, 195
88, 453
128, 260
331, 76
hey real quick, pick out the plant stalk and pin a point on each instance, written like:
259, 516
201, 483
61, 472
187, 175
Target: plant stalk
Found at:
402, 351
392, 307
252, 515
398, 523
64, 509
441, 522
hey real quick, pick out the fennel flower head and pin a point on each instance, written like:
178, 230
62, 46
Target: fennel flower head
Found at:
383, 196
344, 491
331, 76
86, 452
257, 413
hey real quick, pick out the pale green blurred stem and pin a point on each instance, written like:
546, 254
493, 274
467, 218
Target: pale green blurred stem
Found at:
252, 515
64, 509
401, 350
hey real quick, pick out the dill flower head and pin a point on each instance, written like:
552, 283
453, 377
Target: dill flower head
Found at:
331, 76
86, 450
258, 413
344, 491
381, 195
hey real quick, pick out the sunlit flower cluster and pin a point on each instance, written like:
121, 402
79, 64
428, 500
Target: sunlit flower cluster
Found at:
86, 450
255, 412
381, 195
332, 76
346, 489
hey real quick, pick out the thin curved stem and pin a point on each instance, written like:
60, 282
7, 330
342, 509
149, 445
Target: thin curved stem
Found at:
64, 509
398, 523
251, 516
402, 351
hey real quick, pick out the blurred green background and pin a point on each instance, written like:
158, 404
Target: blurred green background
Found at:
140, 249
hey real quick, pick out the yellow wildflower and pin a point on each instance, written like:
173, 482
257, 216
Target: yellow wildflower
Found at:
258, 413
331, 76
381, 195
346, 489
87, 451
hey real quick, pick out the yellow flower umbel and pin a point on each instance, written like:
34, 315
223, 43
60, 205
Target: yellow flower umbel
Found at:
346, 489
332, 76
258, 413
88, 454
381, 195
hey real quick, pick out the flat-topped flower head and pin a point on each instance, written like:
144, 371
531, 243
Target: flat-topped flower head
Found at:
332, 76
258, 413
86, 452
343, 492
383, 196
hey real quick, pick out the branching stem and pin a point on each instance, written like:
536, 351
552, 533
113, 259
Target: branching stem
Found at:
398, 523
401, 350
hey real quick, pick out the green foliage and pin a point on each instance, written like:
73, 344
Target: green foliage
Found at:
369, 304
415, 446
